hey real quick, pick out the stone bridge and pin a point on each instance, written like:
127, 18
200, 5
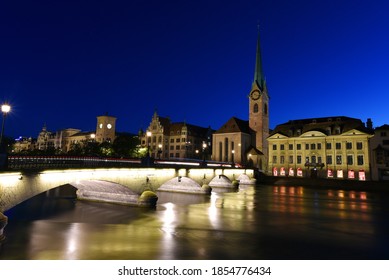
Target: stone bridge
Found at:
16, 187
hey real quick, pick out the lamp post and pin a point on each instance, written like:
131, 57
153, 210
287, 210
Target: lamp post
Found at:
204, 147
159, 151
148, 134
5, 108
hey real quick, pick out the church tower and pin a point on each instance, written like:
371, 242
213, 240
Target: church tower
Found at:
259, 106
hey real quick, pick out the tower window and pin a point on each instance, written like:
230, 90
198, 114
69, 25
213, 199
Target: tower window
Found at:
265, 109
255, 108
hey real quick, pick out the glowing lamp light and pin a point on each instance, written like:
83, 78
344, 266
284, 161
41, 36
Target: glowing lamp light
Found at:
5, 108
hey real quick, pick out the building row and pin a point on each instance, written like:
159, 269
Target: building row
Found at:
65, 140
338, 147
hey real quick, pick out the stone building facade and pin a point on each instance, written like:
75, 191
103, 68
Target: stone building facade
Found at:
379, 151
331, 147
167, 140
63, 140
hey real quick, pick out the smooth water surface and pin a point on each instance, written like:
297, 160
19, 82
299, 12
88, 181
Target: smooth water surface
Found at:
253, 222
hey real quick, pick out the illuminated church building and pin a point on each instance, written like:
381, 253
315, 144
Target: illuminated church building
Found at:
245, 142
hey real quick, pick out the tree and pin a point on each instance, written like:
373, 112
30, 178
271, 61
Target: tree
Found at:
106, 149
125, 145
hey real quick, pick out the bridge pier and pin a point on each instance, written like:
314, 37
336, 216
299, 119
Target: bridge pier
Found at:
3, 223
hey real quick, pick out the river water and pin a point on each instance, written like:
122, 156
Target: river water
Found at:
253, 222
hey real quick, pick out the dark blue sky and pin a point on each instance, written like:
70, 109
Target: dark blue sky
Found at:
65, 62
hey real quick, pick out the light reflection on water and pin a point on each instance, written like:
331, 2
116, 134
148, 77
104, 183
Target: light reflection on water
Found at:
252, 222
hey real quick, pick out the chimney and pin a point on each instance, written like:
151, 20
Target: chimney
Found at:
369, 123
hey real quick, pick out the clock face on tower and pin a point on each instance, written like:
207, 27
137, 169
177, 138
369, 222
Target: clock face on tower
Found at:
109, 126
255, 95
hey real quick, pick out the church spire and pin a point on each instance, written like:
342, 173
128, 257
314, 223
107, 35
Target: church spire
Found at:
258, 74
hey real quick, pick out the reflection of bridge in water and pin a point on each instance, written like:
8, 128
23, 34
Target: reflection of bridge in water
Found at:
111, 184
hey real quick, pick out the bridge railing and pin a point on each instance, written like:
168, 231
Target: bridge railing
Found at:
61, 162
39, 162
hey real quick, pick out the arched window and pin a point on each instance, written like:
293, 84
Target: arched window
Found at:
226, 149
265, 109
255, 108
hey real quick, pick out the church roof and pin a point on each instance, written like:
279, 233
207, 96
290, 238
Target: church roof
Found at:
259, 78
254, 151
235, 125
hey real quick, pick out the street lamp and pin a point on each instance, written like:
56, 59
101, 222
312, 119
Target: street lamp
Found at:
159, 151
148, 134
5, 108
204, 147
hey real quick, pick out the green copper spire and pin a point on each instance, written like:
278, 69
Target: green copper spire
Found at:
258, 74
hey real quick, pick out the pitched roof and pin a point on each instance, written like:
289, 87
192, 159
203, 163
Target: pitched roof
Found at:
254, 151
165, 122
194, 129
235, 125
327, 125
383, 127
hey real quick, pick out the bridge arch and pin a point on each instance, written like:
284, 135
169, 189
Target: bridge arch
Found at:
16, 187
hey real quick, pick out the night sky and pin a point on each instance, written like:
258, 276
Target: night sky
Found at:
63, 63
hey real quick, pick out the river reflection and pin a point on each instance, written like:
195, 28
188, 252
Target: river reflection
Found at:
252, 222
